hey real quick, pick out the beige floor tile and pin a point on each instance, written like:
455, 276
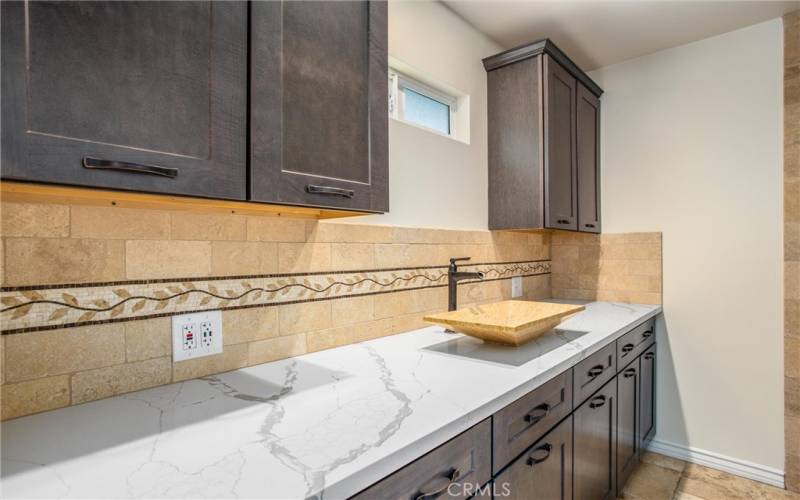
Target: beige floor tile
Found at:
663, 461
651, 482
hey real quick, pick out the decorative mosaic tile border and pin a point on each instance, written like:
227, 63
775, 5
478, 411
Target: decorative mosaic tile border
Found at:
45, 307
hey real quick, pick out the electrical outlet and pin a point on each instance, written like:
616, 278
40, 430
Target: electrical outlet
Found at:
188, 338
516, 287
196, 335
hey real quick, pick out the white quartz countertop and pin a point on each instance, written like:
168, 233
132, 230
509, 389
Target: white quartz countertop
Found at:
326, 424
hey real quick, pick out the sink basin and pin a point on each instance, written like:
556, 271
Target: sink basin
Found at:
511, 322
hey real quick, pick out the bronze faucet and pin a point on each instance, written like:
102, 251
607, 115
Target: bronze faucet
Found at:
453, 277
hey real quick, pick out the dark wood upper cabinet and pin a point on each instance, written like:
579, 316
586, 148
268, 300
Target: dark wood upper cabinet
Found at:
144, 96
588, 156
319, 97
594, 440
560, 198
543, 115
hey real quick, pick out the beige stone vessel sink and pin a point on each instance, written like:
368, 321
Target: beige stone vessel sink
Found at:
512, 322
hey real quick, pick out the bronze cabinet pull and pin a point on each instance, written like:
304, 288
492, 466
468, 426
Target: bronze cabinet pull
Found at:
597, 402
649, 356
438, 485
630, 372
537, 413
595, 371
539, 455
330, 190
627, 348
124, 166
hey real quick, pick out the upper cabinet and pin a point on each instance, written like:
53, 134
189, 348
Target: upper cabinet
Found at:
144, 96
153, 97
544, 125
319, 94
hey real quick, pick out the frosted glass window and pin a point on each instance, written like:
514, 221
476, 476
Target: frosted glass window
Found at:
425, 111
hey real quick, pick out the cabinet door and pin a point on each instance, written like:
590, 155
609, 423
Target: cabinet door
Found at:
544, 471
594, 469
628, 382
588, 149
457, 469
319, 104
146, 96
560, 197
647, 399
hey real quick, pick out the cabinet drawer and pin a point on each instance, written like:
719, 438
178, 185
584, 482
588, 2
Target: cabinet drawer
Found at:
465, 460
635, 342
524, 421
594, 371
544, 471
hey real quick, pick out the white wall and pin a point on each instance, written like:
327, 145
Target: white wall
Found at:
437, 181
692, 146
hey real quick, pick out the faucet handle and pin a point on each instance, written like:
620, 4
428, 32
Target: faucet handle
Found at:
453, 260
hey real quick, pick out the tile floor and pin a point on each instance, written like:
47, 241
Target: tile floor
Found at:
663, 478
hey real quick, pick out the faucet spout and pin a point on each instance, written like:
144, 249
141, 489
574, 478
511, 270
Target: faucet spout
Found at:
454, 276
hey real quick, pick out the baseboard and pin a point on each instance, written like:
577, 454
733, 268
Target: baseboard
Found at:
713, 460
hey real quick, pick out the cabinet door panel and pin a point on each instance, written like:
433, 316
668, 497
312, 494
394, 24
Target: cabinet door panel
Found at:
99, 93
319, 123
628, 382
588, 150
457, 469
647, 399
594, 445
544, 471
561, 203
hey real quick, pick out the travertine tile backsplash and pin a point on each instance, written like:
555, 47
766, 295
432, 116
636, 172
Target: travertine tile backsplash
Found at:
88, 291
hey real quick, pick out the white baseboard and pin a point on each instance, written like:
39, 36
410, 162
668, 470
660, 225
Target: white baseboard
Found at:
713, 460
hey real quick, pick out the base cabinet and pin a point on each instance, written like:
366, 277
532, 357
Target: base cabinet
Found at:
594, 472
647, 397
578, 436
628, 385
543, 471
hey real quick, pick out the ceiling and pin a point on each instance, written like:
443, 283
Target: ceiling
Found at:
600, 33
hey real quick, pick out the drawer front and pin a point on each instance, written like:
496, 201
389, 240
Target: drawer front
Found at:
520, 424
544, 471
456, 469
635, 342
594, 371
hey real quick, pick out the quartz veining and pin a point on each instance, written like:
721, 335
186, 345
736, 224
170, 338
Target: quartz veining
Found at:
322, 425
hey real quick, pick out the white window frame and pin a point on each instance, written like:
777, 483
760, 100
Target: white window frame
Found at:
398, 82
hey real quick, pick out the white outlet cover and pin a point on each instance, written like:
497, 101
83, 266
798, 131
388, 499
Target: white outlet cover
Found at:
200, 349
516, 287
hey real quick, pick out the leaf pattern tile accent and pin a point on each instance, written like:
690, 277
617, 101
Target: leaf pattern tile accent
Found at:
59, 306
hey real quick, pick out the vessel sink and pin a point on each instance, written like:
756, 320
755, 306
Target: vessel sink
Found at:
511, 322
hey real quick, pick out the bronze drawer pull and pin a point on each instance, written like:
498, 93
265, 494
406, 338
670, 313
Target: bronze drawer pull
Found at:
630, 372
537, 413
649, 356
588, 225
595, 371
627, 348
597, 402
329, 190
438, 485
563, 221
544, 454
646, 334
137, 168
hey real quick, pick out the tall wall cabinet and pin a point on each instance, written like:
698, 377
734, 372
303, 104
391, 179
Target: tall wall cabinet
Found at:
544, 141
153, 97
